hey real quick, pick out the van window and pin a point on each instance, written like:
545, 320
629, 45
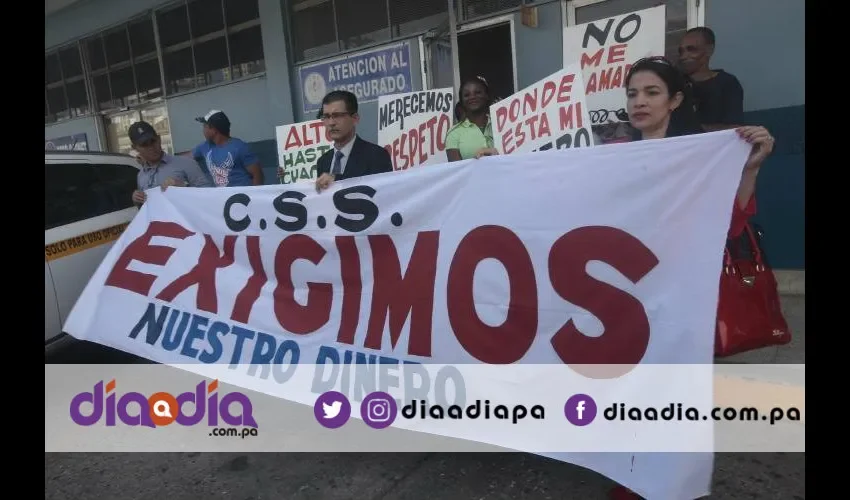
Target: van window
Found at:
79, 191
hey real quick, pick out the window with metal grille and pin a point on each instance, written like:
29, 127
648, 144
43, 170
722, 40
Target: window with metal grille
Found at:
124, 65
205, 42
324, 27
64, 84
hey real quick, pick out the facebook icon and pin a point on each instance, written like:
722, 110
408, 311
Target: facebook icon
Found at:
580, 409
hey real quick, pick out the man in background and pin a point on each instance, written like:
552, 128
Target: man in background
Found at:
229, 160
719, 96
158, 167
350, 156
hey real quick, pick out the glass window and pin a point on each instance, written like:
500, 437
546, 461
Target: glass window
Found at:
241, 11
477, 8
117, 46
246, 52
324, 27
78, 191
201, 43
314, 30
415, 16
64, 84
362, 22
115, 184
142, 40
173, 26
68, 196
205, 17
195, 37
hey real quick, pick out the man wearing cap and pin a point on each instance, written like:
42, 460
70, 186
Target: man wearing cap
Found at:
158, 167
229, 160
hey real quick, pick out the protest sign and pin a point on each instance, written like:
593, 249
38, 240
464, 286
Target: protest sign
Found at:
606, 50
412, 127
552, 113
495, 261
299, 146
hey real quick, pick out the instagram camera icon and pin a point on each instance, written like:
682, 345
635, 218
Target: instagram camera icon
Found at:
378, 410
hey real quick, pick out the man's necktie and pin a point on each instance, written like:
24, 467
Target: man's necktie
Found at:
336, 169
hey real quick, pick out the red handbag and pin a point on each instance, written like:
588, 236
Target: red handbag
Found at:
749, 315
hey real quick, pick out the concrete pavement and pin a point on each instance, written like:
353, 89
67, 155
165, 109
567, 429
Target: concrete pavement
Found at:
413, 476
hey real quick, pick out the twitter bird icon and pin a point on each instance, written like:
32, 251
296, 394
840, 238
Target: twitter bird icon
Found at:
332, 409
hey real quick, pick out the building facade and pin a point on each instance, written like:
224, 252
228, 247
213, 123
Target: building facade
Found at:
111, 62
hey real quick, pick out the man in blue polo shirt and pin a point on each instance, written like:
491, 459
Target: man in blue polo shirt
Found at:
229, 160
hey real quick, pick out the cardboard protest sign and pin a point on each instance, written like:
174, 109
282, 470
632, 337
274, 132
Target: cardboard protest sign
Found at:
412, 127
299, 146
552, 113
606, 49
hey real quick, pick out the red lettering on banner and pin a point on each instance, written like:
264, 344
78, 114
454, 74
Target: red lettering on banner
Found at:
414, 146
203, 275
306, 134
291, 315
626, 335
141, 250
400, 297
250, 293
508, 342
352, 288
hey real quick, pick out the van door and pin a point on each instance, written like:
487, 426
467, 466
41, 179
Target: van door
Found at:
87, 207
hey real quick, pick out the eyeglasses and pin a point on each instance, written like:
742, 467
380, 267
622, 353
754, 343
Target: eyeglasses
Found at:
334, 116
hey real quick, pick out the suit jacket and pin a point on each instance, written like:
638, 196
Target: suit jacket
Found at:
365, 159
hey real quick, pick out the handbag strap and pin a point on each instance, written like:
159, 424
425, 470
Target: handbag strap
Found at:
728, 263
755, 247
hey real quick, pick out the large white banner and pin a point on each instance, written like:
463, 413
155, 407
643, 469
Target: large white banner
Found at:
413, 127
606, 49
606, 255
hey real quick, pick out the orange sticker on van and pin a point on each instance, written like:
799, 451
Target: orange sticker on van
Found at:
77, 244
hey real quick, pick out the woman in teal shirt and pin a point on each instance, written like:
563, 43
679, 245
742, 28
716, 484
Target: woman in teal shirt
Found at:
473, 137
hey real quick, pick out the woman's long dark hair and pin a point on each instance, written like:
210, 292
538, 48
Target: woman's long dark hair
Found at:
683, 120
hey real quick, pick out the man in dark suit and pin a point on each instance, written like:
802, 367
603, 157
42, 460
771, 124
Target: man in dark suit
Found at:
351, 156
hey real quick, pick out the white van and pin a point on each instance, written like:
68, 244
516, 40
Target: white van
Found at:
87, 205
